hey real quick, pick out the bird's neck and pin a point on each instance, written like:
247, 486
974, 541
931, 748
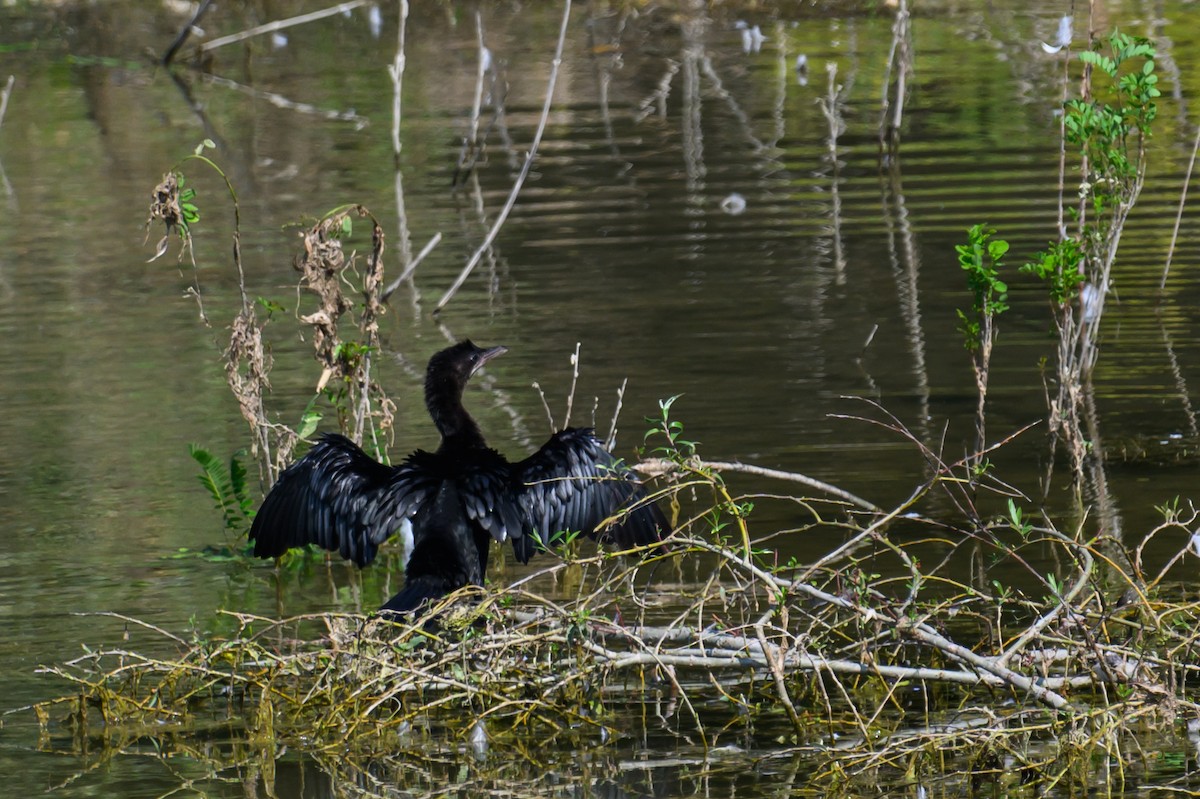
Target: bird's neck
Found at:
458, 429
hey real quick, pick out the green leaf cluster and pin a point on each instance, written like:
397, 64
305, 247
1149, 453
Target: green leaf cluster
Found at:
980, 259
227, 486
674, 446
1109, 126
189, 213
1060, 266
1109, 129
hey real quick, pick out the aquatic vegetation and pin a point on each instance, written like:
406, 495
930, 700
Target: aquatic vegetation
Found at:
860, 671
1107, 125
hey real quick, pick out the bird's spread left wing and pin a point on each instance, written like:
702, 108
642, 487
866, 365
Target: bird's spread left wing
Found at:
339, 498
573, 484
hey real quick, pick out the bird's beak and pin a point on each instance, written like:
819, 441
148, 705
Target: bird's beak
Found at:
487, 355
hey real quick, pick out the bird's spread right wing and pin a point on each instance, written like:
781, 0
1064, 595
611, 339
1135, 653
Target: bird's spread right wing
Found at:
574, 484
341, 499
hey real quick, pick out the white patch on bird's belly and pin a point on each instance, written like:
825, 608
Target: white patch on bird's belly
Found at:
406, 541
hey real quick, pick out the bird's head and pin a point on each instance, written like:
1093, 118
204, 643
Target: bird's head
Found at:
457, 364
447, 375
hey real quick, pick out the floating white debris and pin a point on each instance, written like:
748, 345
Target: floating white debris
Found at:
752, 39
486, 57
375, 21
802, 69
734, 204
479, 740
1062, 37
279, 40
728, 750
1089, 299
752, 36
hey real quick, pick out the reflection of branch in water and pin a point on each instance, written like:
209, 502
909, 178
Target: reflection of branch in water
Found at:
472, 148
497, 95
784, 73
738, 114
4, 95
234, 161
210, 132
899, 59
406, 262
602, 70
1180, 381
468, 227
8, 189
656, 102
8, 88
474, 144
831, 107
693, 132
1165, 64
520, 181
279, 101
187, 31
1105, 507
396, 71
906, 268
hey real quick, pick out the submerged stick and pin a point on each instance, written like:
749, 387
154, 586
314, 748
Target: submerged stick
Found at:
271, 27
1187, 180
520, 181
412, 267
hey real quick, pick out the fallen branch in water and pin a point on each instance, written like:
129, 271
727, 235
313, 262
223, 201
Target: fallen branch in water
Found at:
279, 25
412, 267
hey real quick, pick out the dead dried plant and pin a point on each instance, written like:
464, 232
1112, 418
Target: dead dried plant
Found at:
361, 405
346, 364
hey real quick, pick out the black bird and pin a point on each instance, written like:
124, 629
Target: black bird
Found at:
457, 499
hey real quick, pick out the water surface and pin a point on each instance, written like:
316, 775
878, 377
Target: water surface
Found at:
760, 320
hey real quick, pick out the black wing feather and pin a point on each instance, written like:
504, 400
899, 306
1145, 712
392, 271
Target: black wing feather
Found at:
340, 499
573, 484
492, 498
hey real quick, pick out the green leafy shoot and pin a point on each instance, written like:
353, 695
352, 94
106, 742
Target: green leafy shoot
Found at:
1060, 267
227, 486
674, 447
980, 259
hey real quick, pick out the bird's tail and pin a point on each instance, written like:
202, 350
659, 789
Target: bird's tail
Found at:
415, 594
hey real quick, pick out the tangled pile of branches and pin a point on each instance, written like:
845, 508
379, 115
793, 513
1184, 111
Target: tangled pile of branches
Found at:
827, 654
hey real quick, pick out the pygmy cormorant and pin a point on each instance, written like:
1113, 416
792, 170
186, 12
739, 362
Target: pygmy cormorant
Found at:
457, 499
